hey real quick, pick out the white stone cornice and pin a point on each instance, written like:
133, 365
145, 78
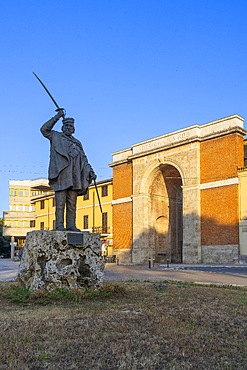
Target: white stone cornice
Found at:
217, 184
190, 187
227, 125
122, 200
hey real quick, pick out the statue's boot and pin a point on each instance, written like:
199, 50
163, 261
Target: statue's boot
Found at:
60, 198
60, 228
71, 210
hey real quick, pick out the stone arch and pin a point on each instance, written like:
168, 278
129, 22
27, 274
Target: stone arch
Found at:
163, 187
154, 168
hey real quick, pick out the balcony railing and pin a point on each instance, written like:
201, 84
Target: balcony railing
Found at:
101, 230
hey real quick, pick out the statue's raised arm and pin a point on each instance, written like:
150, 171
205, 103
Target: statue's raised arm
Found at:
70, 173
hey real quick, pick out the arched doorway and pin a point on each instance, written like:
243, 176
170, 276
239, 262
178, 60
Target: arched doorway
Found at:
166, 214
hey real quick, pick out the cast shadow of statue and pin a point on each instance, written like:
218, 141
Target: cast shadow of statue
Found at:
196, 239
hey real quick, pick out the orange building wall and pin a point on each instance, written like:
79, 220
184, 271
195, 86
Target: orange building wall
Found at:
122, 181
219, 215
122, 212
122, 221
220, 159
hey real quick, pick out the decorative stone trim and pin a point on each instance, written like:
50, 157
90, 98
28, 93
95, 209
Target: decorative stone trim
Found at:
190, 134
122, 200
220, 254
217, 184
123, 256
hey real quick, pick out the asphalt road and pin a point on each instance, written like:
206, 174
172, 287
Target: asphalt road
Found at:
8, 269
225, 275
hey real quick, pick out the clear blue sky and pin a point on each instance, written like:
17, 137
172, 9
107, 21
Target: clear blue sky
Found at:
126, 71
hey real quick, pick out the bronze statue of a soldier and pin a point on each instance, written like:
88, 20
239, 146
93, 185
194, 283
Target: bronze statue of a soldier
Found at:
69, 172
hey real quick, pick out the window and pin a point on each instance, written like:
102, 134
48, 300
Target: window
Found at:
20, 193
42, 226
32, 223
86, 196
53, 202
104, 190
85, 222
54, 224
13, 192
42, 204
104, 222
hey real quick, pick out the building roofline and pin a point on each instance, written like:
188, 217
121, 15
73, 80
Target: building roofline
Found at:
195, 126
213, 129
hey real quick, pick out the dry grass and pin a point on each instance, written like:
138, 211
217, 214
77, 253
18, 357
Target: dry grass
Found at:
127, 326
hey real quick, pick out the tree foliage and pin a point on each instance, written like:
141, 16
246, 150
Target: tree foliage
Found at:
4, 242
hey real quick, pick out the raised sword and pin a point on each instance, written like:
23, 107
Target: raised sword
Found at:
48, 92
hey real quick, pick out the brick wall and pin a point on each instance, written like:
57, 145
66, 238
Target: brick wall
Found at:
122, 221
220, 159
219, 215
122, 212
122, 181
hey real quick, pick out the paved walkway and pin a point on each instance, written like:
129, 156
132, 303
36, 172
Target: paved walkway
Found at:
8, 269
226, 275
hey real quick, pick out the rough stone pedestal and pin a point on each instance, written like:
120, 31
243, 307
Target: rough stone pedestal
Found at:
61, 259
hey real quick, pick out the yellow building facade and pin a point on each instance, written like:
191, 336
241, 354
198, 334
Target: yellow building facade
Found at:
88, 213
20, 218
32, 207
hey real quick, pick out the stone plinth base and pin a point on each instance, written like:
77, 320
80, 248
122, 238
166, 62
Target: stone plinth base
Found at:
221, 254
61, 259
243, 259
191, 254
122, 255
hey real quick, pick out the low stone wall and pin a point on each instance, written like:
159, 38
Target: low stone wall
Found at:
243, 259
122, 255
61, 259
222, 254
191, 254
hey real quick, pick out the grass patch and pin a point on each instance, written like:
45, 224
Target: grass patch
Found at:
124, 325
41, 296
18, 295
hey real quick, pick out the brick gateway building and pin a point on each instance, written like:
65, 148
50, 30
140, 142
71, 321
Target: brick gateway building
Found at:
176, 196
